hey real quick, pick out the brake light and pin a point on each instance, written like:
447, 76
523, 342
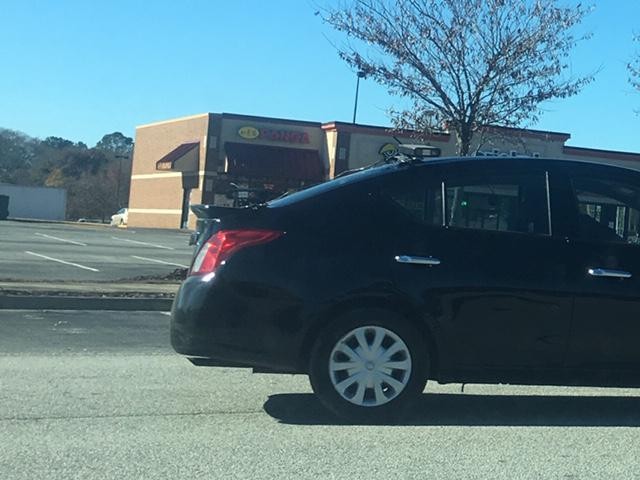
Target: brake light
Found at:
224, 244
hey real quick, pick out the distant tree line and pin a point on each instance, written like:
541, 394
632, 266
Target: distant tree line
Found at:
96, 179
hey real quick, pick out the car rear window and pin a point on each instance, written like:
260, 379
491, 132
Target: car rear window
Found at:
325, 187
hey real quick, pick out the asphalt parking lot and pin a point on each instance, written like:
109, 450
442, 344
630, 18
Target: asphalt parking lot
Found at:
55, 251
94, 395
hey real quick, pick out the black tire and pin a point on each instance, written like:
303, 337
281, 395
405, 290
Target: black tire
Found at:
414, 382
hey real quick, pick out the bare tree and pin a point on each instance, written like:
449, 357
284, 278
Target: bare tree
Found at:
91, 195
465, 64
634, 69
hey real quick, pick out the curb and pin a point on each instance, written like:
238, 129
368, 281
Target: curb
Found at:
44, 302
64, 222
186, 232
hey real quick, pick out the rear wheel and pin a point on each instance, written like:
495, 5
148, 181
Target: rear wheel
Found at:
369, 367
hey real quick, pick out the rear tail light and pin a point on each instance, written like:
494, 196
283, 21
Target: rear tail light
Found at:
224, 244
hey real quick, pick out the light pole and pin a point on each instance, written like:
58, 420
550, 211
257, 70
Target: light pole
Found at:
360, 75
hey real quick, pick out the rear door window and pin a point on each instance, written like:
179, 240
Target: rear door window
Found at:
608, 209
419, 201
484, 201
498, 202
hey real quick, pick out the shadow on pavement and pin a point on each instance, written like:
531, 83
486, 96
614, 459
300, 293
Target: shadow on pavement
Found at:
479, 410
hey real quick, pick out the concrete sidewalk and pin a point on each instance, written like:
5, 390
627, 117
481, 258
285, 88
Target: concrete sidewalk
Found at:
150, 296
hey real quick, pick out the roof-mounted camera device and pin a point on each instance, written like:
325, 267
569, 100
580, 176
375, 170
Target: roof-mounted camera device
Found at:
404, 154
418, 152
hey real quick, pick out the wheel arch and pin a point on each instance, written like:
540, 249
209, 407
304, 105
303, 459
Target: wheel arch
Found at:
379, 306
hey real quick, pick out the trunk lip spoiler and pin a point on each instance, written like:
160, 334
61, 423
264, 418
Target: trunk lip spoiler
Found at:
211, 211
208, 215
207, 211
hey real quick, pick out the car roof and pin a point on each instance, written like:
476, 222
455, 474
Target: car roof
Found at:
567, 162
368, 173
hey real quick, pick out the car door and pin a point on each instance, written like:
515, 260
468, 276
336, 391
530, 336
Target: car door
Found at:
605, 271
476, 255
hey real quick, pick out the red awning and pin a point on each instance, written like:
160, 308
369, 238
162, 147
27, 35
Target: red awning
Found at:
266, 161
187, 152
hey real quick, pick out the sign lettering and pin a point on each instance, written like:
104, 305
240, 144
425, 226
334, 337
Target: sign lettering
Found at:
274, 135
164, 166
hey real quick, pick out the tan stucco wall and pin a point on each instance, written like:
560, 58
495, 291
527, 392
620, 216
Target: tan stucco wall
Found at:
160, 192
154, 220
520, 144
331, 142
364, 148
152, 189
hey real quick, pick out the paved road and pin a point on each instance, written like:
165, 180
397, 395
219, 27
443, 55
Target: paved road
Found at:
95, 395
50, 251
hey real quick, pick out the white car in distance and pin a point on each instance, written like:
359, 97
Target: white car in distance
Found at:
120, 217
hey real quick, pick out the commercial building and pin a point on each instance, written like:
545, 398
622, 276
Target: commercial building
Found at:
231, 160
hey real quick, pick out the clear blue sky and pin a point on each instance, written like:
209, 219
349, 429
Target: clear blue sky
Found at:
79, 69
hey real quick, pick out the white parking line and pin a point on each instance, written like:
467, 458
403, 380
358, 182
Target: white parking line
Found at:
160, 261
62, 261
60, 239
142, 243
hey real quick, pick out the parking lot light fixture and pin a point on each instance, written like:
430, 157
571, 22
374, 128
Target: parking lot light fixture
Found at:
359, 75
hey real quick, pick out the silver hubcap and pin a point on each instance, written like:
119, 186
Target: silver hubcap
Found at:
370, 366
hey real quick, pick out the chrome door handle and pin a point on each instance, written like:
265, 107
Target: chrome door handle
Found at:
605, 272
417, 260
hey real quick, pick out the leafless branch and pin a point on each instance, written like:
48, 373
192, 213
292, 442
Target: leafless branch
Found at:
466, 63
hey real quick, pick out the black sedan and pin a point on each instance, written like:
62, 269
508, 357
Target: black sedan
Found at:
509, 270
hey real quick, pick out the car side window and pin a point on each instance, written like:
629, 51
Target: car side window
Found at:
498, 202
608, 210
419, 201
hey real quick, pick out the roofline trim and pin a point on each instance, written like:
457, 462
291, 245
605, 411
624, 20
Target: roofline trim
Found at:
595, 152
382, 131
529, 132
378, 130
173, 120
257, 118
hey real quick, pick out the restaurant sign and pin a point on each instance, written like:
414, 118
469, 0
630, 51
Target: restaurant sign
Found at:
273, 135
388, 150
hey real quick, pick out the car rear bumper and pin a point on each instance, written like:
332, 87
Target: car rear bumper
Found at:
210, 324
